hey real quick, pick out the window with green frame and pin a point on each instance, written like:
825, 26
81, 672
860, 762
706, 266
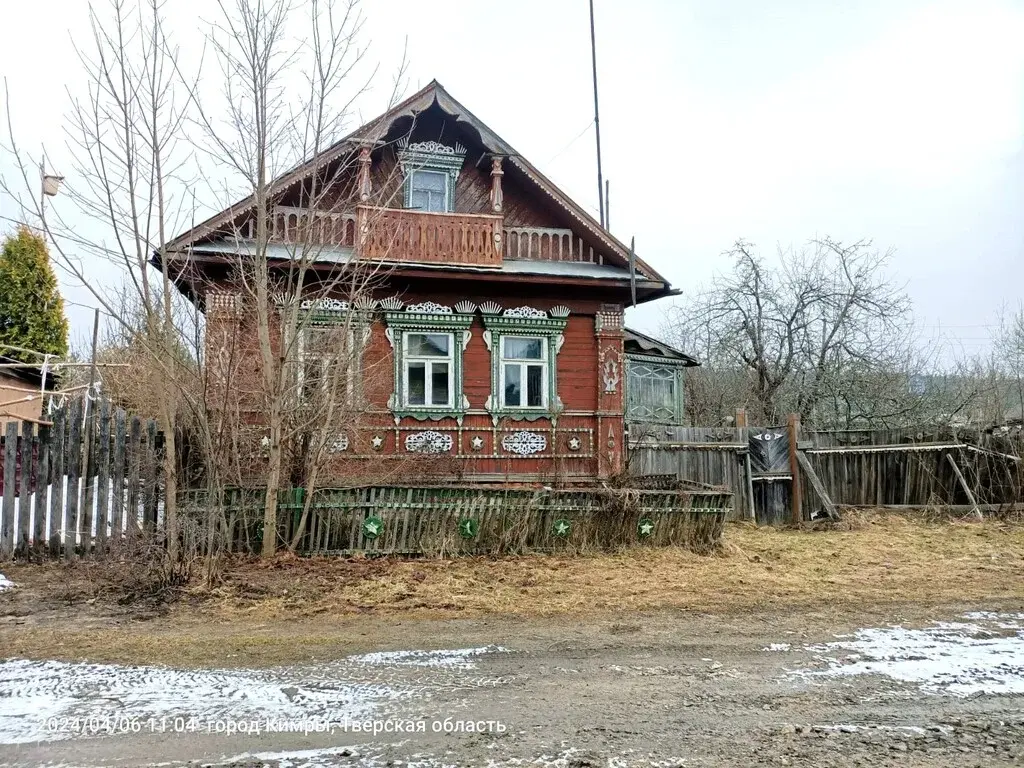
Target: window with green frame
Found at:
654, 391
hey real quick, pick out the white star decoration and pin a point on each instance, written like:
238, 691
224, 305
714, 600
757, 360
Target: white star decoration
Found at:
562, 528
646, 528
574, 443
372, 528
378, 442
478, 443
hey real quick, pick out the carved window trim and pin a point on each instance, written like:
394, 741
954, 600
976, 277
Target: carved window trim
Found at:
428, 318
431, 156
525, 322
315, 315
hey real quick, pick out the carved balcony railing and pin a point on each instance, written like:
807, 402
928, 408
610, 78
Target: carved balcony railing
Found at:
546, 244
394, 234
429, 238
315, 227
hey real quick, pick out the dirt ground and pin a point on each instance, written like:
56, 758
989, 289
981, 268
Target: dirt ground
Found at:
650, 657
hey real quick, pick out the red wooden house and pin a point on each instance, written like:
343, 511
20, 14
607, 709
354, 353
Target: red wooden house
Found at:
494, 325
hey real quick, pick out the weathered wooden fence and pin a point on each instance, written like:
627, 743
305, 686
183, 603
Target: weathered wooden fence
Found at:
904, 467
473, 519
88, 477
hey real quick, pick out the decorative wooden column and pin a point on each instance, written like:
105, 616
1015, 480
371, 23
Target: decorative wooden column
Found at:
365, 185
497, 198
610, 439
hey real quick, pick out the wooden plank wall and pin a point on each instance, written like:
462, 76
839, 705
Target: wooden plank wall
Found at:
50, 504
707, 455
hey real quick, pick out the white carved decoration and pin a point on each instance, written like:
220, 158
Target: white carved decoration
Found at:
477, 443
560, 311
428, 441
378, 442
525, 312
429, 307
490, 308
465, 307
365, 302
488, 340
389, 334
392, 303
559, 341
339, 444
524, 443
326, 305
435, 148
610, 373
575, 443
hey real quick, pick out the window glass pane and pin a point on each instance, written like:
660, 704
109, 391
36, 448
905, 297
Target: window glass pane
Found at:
427, 344
439, 384
428, 180
420, 201
417, 384
513, 385
517, 348
652, 392
428, 191
534, 385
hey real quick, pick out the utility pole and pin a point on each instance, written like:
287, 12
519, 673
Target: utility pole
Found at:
597, 116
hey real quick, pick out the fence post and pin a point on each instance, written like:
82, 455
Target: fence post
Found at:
793, 426
28, 434
42, 487
7, 510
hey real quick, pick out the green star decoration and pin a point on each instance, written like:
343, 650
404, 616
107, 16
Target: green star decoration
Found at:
468, 528
645, 527
373, 527
561, 528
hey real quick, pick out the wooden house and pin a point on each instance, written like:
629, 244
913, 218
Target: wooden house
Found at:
494, 321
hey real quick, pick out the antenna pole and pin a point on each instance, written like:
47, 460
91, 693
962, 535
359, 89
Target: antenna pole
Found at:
597, 118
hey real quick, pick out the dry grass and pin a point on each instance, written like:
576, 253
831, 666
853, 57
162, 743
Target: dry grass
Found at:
265, 610
884, 559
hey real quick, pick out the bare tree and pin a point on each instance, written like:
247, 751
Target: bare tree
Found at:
275, 121
125, 135
819, 334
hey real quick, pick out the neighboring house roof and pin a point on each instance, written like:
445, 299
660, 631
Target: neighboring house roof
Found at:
26, 374
640, 343
374, 131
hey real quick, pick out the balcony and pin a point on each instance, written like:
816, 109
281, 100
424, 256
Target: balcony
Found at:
423, 237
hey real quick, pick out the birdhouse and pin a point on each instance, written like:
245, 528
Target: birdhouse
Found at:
51, 185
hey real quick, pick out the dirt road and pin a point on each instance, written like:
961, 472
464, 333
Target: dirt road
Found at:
663, 689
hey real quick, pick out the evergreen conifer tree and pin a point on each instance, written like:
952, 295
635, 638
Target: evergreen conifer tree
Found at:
31, 307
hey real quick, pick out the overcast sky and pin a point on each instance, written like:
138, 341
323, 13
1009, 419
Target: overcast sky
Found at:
896, 120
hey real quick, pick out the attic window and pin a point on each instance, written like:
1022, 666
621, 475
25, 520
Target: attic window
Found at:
431, 170
428, 191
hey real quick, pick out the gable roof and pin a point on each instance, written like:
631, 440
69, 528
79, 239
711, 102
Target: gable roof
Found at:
375, 130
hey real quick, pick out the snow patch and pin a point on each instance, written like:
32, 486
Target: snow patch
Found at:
984, 655
38, 698
462, 658
6, 583
777, 647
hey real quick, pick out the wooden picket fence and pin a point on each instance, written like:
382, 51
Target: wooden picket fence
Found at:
89, 477
464, 519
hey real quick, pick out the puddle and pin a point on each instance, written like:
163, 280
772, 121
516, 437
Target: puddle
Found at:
984, 654
51, 700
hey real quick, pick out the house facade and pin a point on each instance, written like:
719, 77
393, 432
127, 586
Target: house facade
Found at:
489, 332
